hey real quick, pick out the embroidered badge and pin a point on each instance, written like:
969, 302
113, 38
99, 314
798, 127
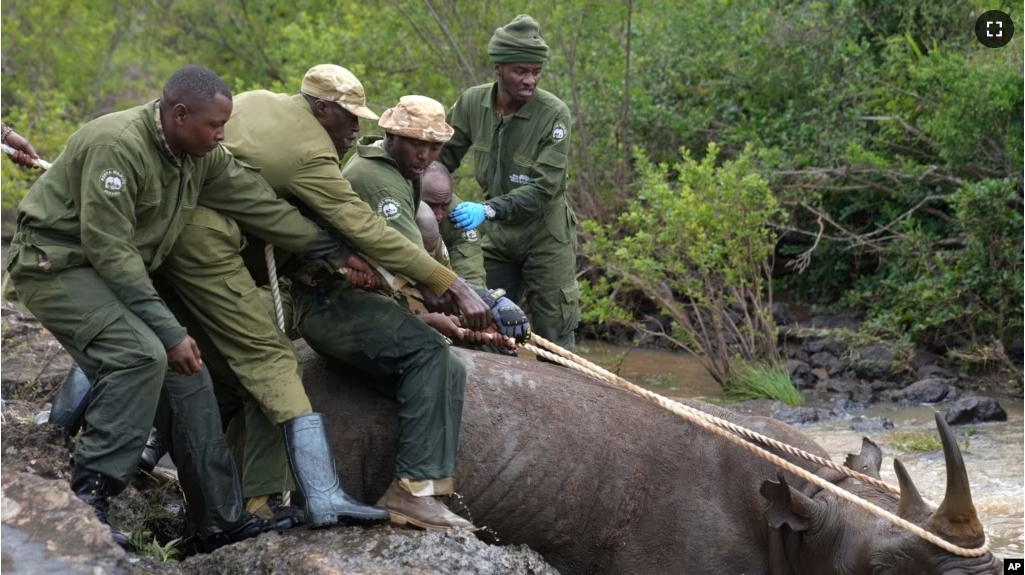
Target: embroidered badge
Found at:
388, 208
519, 178
113, 182
559, 132
470, 235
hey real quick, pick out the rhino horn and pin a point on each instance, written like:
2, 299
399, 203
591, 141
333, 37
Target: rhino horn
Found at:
868, 461
911, 506
956, 519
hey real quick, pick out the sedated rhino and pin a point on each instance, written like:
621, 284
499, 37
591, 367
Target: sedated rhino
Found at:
598, 481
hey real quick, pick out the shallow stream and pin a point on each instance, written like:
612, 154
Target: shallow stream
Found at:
995, 456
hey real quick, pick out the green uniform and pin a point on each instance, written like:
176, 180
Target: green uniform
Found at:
373, 333
520, 163
279, 134
465, 257
90, 231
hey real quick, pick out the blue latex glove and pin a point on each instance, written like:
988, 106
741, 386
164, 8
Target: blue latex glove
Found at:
467, 215
509, 318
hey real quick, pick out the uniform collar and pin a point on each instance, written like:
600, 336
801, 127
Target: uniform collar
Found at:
524, 112
300, 100
158, 131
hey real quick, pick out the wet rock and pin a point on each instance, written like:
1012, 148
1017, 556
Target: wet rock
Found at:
862, 394
46, 529
377, 551
844, 408
871, 361
841, 385
781, 313
826, 344
932, 371
795, 351
794, 415
35, 364
975, 410
826, 361
933, 390
800, 374
845, 320
863, 424
879, 385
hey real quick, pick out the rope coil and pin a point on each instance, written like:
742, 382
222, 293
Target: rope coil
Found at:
720, 426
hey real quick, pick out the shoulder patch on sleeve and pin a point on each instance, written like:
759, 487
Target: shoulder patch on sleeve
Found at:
388, 208
558, 132
112, 181
470, 235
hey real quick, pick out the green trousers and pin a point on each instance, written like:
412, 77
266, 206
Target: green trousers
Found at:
535, 263
206, 272
374, 334
132, 390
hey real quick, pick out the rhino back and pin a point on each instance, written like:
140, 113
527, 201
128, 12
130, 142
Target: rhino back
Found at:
592, 477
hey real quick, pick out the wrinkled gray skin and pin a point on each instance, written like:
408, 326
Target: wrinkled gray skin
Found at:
598, 480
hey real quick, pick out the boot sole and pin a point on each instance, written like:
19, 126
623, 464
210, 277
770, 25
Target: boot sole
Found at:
346, 520
403, 521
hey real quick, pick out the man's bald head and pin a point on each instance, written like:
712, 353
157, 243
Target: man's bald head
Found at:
436, 189
428, 228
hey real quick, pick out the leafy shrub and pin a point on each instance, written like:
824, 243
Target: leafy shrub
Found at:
696, 242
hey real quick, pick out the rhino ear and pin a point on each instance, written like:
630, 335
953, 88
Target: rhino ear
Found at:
786, 506
868, 461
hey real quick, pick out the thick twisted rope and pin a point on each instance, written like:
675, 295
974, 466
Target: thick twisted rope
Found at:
275, 290
752, 435
719, 426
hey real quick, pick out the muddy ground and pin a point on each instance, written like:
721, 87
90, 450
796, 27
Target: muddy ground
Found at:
47, 529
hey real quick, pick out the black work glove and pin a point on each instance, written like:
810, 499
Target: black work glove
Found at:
509, 318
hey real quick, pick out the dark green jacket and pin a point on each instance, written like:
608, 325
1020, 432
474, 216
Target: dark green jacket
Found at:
117, 200
279, 134
520, 160
375, 177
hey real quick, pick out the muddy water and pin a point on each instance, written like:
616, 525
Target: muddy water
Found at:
995, 458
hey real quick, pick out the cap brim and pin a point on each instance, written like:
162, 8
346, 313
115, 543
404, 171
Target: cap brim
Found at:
363, 112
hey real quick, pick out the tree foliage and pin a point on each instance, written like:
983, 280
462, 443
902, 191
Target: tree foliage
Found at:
871, 120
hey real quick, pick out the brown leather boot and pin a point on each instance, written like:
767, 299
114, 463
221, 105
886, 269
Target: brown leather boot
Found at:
427, 513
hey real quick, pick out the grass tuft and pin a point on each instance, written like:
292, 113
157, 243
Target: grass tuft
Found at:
755, 381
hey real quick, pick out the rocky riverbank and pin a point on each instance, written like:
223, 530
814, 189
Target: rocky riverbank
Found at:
47, 529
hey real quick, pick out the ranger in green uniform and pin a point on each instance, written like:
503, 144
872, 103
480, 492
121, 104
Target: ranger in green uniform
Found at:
91, 230
519, 138
296, 141
386, 339
465, 255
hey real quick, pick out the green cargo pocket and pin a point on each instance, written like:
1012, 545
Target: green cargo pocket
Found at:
252, 315
94, 323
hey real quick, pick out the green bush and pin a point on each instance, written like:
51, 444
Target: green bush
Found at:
954, 291
695, 242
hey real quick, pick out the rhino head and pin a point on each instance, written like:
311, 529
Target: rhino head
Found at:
817, 532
